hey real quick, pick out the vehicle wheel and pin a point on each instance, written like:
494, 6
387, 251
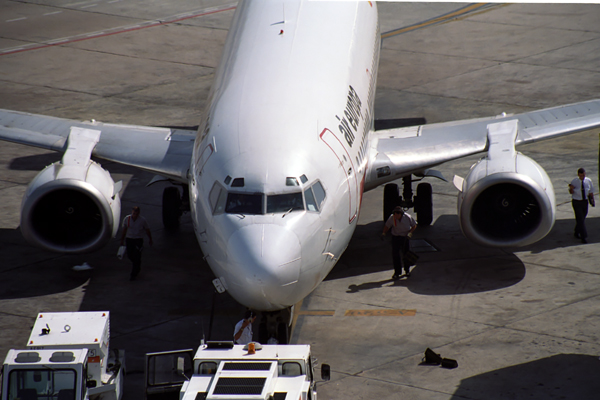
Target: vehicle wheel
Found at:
171, 207
424, 201
391, 199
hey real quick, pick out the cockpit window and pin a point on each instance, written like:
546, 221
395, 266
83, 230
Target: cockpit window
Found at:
217, 197
284, 202
242, 203
238, 182
314, 196
319, 193
291, 181
311, 204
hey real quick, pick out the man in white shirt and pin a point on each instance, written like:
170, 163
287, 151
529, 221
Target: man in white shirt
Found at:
402, 225
134, 227
242, 334
581, 189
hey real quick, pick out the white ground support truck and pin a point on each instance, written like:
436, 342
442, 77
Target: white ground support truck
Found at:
224, 371
67, 358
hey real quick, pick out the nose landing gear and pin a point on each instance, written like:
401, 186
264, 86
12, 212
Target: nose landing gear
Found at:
275, 326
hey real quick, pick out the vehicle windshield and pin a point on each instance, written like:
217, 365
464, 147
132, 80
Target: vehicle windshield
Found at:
284, 202
41, 384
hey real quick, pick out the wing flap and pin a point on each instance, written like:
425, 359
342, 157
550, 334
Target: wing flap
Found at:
162, 151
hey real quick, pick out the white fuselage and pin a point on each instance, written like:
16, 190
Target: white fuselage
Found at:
288, 118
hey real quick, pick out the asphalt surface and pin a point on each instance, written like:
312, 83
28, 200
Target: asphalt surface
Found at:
522, 323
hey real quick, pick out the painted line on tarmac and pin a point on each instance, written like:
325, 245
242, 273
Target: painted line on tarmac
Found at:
456, 14
360, 313
317, 313
119, 30
380, 313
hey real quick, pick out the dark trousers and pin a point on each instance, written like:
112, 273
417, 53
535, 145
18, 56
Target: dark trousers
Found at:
134, 253
399, 250
581, 209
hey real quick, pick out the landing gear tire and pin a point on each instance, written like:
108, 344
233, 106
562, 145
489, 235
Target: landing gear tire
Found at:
282, 333
391, 199
424, 204
171, 207
275, 325
263, 334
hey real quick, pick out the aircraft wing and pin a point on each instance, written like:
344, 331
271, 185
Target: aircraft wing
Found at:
402, 151
164, 151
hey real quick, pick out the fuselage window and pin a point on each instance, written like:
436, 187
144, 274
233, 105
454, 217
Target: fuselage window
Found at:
284, 202
243, 203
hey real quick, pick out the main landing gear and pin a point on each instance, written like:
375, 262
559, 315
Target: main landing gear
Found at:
422, 202
174, 205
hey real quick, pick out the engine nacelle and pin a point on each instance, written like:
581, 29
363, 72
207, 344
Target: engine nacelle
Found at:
71, 208
512, 206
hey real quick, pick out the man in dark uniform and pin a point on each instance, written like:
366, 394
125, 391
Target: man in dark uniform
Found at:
581, 188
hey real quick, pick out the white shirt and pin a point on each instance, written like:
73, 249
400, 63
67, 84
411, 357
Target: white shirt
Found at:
246, 333
402, 226
135, 229
587, 185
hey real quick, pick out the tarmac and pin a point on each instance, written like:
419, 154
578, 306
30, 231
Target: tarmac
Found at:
522, 323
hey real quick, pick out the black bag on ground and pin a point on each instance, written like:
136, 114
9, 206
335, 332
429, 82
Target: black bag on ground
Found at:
449, 363
431, 357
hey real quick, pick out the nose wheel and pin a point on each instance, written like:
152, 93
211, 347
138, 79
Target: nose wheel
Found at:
275, 326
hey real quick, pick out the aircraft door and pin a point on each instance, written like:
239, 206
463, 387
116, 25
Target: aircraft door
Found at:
166, 372
335, 144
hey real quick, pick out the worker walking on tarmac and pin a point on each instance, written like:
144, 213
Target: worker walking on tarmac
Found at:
402, 225
582, 191
134, 226
242, 334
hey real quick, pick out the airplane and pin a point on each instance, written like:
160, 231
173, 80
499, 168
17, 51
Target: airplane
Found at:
275, 173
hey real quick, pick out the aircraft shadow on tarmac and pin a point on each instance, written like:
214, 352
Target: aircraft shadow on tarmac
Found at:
34, 163
452, 265
562, 376
27, 271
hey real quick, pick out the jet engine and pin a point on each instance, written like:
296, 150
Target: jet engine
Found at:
509, 204
71, 208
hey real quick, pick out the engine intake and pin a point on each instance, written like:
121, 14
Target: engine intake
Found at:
71, 208
503, 209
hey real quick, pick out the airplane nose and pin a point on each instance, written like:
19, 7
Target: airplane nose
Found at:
266, 258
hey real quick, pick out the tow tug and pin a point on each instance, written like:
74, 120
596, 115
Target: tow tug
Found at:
223, 371
67, 358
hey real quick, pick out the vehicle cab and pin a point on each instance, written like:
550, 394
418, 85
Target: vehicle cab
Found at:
222, 370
